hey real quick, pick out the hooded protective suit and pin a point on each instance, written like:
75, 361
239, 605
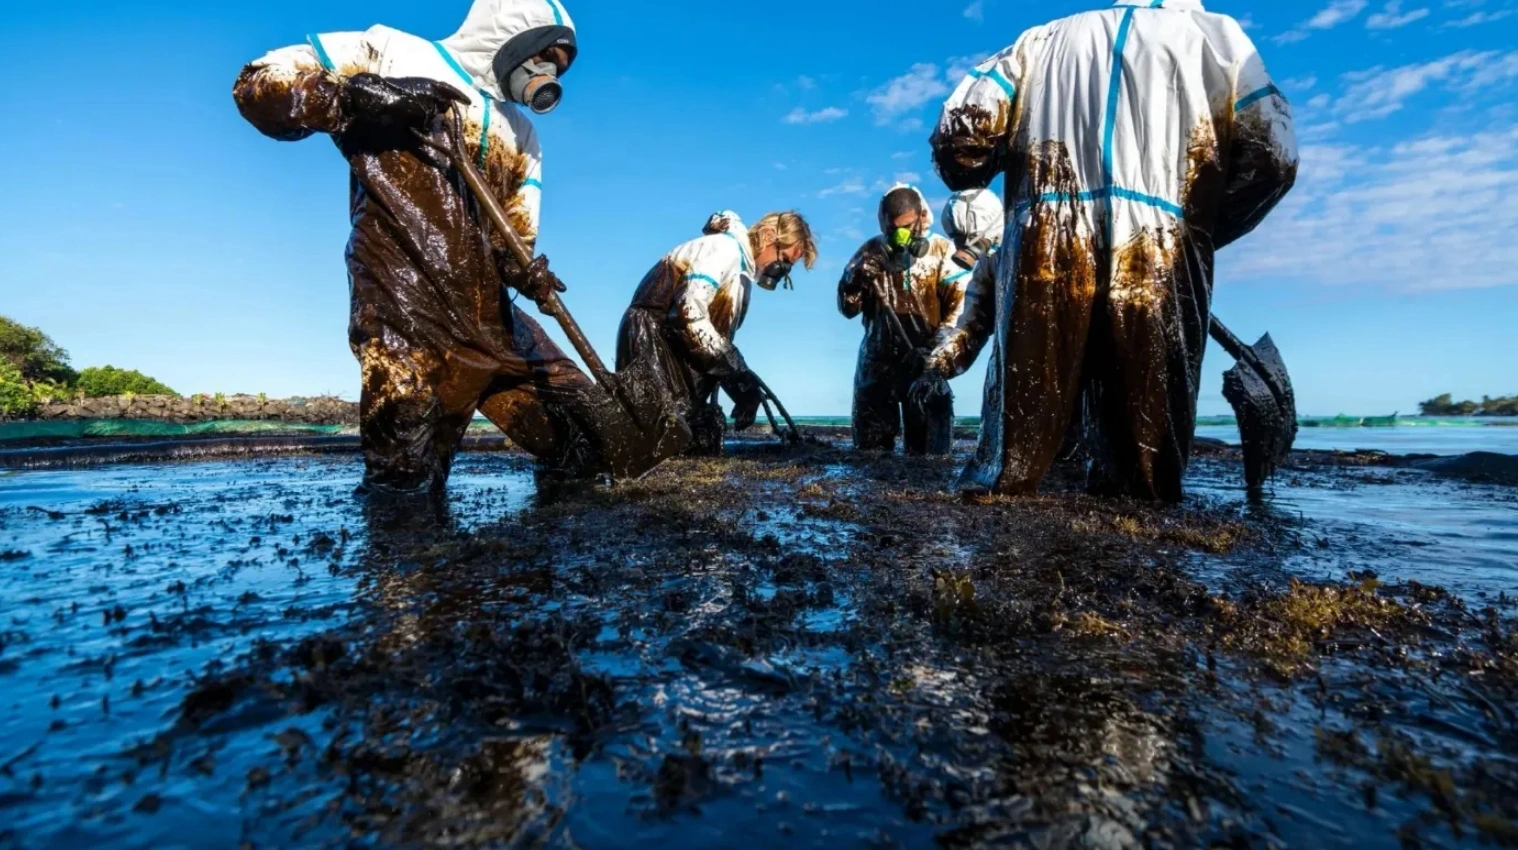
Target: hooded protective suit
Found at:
926, 294
434, 332
973, 217
975, 221
684, 316
1135, 142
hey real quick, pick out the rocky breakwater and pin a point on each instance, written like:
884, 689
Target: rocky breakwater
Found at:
325, 410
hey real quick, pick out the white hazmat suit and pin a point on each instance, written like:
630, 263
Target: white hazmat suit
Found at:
1135, 141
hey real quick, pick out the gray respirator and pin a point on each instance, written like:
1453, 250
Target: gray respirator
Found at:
535, 84
526, 79
968, 252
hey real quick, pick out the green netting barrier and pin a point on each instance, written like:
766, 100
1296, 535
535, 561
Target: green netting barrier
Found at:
80, 428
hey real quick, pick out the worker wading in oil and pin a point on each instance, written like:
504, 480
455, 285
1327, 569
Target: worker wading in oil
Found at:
908, 288
435, 334
1135, 142
689, 307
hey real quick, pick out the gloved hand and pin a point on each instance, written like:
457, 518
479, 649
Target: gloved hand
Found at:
743, 387
917, 363
930, 389
869, 273
397, 102
536, 281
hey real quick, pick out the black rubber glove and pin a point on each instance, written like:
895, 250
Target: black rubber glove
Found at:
868, 273
930, 390
743, 387
397, 102
536, 281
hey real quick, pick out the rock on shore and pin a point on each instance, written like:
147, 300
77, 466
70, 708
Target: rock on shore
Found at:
324, 410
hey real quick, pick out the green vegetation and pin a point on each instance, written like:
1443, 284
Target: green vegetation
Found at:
34, 370
98, 381
34, 354
16, 397
1446, 406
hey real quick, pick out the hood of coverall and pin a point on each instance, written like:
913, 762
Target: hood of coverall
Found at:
975, 214
523, 27
886, 225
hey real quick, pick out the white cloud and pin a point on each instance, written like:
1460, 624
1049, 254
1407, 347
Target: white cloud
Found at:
1297, 84
821, 116
1380, 92
1476, 19
907, 92
1247, 22
805, 83
903, 155
1336, 13
959, 66
850, 186
1320, 101
1430, 213
1392, 17
976, 11
1330, 16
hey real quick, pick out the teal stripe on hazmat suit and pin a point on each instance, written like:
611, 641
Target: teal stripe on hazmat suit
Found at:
1135, 141
434, 333
684, 317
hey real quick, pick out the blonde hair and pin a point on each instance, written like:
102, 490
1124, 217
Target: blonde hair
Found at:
790, 230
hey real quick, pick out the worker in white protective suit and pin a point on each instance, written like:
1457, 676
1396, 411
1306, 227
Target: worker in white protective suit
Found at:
907, 288
435, 336
1135, 141
974, 221
689, 307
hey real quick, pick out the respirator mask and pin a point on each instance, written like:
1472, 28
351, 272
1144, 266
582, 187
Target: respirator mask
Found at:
969, 252
535, 84
775, 274
903, 241
525, 77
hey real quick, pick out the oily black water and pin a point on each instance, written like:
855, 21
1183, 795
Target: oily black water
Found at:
802, 648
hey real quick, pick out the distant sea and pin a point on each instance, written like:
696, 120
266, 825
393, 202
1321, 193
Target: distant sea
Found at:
1409, 434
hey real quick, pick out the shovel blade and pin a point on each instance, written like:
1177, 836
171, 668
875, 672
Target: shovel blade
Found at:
636, 423
1267, 418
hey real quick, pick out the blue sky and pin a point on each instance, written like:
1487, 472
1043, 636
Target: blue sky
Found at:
147, 226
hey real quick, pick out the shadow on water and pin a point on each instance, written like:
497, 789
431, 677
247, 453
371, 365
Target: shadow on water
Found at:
801, 648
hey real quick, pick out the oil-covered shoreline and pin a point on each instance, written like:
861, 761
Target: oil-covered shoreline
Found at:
810, 646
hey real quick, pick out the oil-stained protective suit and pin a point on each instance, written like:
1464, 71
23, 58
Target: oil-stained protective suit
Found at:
926, 293
434, 333
683, 318
1136, 141
975, 222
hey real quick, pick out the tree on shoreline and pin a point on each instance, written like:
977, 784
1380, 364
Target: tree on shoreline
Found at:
1445, 405
34, 354
100, 381
33, 368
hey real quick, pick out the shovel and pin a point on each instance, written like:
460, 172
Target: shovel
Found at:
894, 321
791, 433
1260, 391
636, 427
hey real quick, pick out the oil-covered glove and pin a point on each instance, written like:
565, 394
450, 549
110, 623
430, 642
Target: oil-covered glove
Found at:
867, 274
536, 281
743, 387
397, 102
931, 388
